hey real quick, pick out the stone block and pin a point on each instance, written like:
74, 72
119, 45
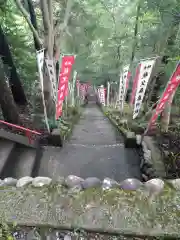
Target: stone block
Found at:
147, 156
156, 156
138, 139
144, 146
52, 139
130, 140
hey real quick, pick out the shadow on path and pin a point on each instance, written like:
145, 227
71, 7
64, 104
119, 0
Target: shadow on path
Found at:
94, 150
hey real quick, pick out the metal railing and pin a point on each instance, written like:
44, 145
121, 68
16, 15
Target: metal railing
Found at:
28, 132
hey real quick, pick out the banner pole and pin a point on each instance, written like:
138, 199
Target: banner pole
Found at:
73, 88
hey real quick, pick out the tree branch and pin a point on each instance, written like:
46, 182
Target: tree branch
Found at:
51, 29
63, 27
111, 14
50, 9
135, 32
45, 14
67, 15
26, 16
48, 27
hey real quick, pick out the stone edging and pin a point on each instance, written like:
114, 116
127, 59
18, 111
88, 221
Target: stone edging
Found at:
122, 130
151, 165
77, 184
151, 158
130, 189
71, 127
129, 137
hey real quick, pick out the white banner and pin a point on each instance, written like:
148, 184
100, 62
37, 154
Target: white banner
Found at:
108, 93
52, 77
122, 87
101, 95
120, 100
40, 63
144, 76
125, 78
73, 87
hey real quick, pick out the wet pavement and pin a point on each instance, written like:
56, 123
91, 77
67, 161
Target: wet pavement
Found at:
95, 149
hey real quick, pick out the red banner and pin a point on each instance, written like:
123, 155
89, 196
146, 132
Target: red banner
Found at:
135, 83
170, 89
66, 67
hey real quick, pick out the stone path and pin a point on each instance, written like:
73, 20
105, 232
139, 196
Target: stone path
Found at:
95, 149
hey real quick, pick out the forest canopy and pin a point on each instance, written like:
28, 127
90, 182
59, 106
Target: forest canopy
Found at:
103, 34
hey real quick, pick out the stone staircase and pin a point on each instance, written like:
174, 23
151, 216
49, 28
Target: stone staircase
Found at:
18, 157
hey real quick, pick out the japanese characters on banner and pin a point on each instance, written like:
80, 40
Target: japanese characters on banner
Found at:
52, 76
125, 76
123, 84
121, 93
66, 67
170, 89
101, 94
144, 76
135, 83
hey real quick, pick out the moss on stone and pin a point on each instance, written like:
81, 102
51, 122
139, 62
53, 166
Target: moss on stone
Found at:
115, 209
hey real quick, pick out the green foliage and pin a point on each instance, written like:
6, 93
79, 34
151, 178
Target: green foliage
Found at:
100, 33
21, 43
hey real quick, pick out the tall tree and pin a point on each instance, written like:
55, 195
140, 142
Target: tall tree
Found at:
14, 80
34, 22
9, 109
51, 39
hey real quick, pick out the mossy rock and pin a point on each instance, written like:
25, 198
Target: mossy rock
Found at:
115, 210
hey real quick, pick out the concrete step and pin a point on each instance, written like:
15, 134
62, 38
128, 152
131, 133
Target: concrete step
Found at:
6, 151
23, 162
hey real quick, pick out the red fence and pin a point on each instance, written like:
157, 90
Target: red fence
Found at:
28, 132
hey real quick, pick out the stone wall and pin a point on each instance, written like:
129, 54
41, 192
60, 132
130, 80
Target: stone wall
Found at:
152, 164
129, 208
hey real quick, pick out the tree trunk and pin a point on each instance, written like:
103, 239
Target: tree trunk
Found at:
34, 23
48, 28
9, 109
14, 81
135, 33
